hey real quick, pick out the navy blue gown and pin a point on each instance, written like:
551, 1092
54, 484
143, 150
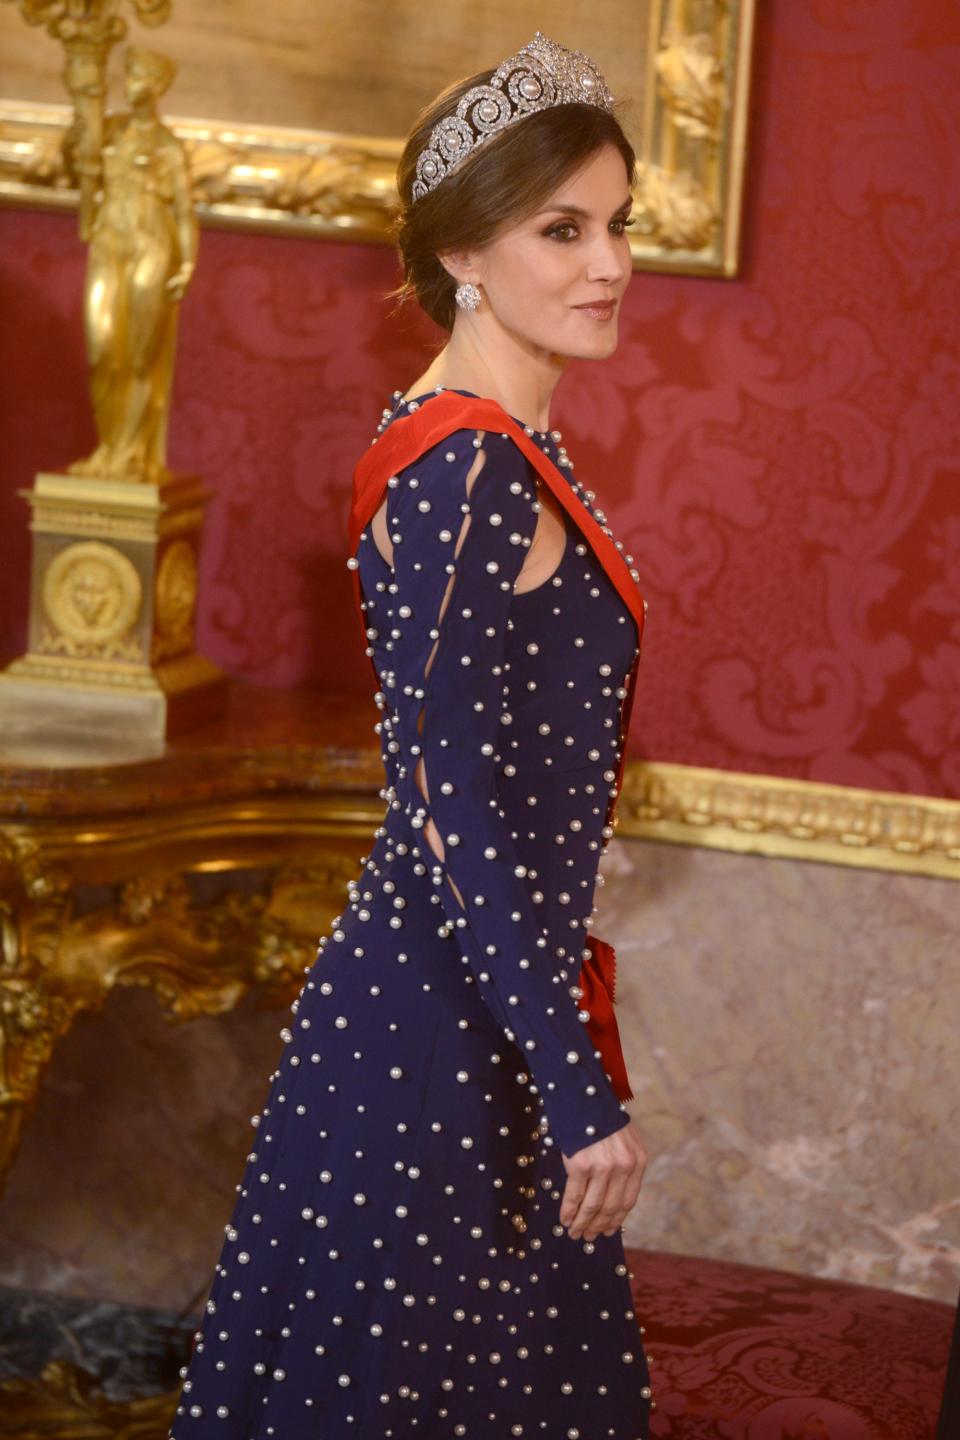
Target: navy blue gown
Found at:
394, 1265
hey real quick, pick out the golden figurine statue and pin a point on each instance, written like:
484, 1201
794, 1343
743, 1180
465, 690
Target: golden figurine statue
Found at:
115, 536
142, 233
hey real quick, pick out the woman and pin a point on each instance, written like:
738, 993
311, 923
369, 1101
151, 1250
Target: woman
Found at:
396, 1263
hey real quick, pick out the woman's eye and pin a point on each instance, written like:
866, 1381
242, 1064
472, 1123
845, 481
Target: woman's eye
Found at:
566, 231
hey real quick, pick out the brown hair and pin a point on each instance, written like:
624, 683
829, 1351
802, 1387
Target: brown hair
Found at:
501, 182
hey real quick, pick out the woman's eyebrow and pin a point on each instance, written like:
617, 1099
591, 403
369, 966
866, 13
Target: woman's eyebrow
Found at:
579, 210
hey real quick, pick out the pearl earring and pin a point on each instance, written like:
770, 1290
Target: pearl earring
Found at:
467, 296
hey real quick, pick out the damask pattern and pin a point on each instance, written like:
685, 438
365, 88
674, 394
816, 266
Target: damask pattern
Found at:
785, 447
747, 1353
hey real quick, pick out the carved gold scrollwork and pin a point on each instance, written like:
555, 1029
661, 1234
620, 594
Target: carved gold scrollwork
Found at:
198, 959
674, 210
690, 82
93, 21
66, 1401
34, 901
765, 815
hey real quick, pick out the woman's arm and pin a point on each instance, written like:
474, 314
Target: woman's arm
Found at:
461, 520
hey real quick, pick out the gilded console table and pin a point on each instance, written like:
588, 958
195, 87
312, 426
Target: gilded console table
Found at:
202, 869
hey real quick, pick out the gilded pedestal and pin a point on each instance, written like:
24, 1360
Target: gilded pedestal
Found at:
112, 608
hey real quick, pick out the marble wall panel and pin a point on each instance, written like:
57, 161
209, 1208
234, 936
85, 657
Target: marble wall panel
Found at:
790, 1030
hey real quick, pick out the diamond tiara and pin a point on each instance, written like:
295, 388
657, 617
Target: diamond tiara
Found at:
541, 74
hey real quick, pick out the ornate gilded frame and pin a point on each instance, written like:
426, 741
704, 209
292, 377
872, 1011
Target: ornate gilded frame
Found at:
692, 154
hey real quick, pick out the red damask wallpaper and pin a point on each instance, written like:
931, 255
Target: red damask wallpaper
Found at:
780, 452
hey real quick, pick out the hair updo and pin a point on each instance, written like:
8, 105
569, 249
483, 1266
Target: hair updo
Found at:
500, 183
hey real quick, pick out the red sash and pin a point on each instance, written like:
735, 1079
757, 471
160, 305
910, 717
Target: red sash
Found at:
403, 442
598, 981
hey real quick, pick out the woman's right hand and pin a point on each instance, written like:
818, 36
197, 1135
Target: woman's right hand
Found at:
603, 1183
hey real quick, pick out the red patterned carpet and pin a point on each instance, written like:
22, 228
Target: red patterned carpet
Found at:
740, 1352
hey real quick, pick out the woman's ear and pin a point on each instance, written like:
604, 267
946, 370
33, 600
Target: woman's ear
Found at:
458, 264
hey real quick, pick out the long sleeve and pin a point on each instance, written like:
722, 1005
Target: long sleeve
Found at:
459, 541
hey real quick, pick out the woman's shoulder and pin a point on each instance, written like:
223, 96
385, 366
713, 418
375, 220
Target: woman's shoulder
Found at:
447, 436
491, 454
480, 413
443, 413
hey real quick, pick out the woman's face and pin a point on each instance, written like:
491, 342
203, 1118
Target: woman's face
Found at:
537, 276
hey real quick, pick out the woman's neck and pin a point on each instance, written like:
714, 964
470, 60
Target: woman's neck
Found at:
472, 360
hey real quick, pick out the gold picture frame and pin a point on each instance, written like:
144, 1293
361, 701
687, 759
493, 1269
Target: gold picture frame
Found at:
359, 76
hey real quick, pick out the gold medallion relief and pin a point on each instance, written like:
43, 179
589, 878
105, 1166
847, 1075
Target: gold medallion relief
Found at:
93, 595
176, 595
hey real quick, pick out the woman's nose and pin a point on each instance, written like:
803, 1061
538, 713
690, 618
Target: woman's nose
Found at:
609, 260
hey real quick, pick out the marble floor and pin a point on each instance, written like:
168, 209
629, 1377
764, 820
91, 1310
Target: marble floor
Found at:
132, 1351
